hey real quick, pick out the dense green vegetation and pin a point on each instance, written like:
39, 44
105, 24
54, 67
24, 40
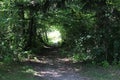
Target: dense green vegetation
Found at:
20, 72
88, 29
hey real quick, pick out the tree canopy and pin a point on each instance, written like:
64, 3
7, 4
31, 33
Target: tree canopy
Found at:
89, 29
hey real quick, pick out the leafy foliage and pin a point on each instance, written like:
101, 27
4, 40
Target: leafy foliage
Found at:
90, 29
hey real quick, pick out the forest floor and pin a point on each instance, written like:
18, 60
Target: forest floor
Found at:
54, 67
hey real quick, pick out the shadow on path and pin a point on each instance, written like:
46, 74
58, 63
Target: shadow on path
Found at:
55, 68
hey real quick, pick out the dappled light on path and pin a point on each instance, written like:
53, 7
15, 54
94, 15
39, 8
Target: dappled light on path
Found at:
49, 68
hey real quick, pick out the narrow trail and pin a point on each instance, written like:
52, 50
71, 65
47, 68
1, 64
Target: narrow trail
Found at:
56, 68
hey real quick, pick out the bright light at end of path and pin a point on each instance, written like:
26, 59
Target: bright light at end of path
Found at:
54, 36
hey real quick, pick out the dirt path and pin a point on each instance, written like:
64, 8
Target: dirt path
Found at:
54, 68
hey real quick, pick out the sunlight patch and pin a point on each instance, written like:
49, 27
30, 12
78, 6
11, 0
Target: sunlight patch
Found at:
54, 36
51, 73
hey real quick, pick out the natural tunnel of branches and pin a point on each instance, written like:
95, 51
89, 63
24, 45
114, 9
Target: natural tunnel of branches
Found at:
88, 29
